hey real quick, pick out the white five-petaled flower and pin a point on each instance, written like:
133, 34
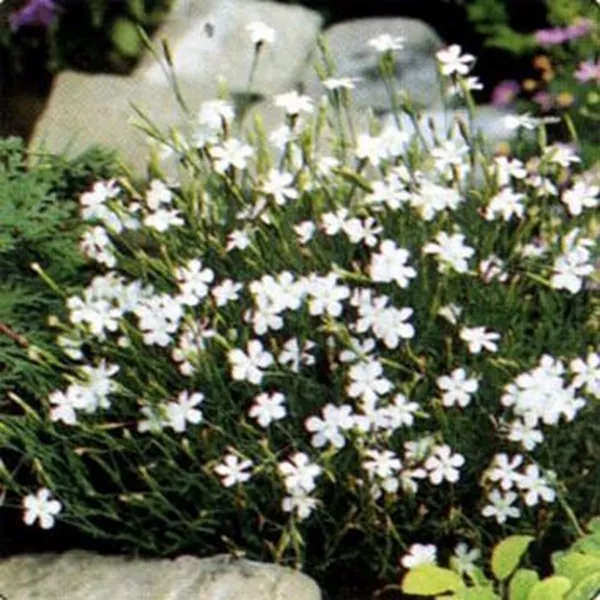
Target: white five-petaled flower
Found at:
249, 366
42, 507
233, 471
336, 419
418, 555
294, 103
504, 470
367, 381
465, 558
342, 83
387, 43
451, 250
184, 411
501, 506
268, 408
587, 373
535, 486
279, 186
299, 473
390, 265
452, 61
230, 153
507, 203
260, 33
477, 338
444, 465
456, 388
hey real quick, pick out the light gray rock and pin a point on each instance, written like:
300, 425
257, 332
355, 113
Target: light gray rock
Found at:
416, 71
85, 109
80, 575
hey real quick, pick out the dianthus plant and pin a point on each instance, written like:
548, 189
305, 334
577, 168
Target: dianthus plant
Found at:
325, 344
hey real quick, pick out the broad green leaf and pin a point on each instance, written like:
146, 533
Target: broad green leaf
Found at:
587, 589
553, 588
430, 580
507, 555
576, 566
521, 583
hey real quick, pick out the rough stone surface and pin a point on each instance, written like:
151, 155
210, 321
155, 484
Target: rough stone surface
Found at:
78, 575
416, 70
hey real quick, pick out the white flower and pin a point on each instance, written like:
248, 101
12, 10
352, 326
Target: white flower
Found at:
457, 389
491, 268
581, 195
367, 381
450, 312
268, 408
249, 367
507, 203
300, 503
387, 43
401, 412
193, 282
501, 506
504, 470
451, 250
238, 239
227, 291
41, 507
294, 103
65, 404
291, 354
370, 148
478, 339
418, 555
213, 114
465, 558
299, 473
162, 219
383, 464
154, 421
526, 121
451, 61
278, 185
359, 350
333, 223
305, 231
328, 429
183, 411
326, 295
365, 230
390, 265
233, 471
158, 195
442, 464
587, 373
561, 154
535, 486
231, 153
527, 434
470, 83
260, 33
347, 83
96, 245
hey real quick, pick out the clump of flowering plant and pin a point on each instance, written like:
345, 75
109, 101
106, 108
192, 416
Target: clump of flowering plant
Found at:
324, 343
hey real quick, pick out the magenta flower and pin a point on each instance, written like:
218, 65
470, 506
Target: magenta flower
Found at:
544, 100
504, 93
35, 12
588, 71
580, 28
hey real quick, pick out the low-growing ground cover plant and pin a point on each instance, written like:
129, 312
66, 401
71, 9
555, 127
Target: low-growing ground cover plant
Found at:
576, 572
324, 345
38, 223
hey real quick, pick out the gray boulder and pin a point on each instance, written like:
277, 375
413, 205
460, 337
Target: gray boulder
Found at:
416, 70
80, 575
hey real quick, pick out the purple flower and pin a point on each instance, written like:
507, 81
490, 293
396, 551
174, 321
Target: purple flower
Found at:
504, 93
580, 28
35, 12
544, 100
550, 37
587, 71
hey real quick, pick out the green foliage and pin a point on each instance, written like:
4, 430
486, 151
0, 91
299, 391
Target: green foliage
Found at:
39, 224
576, 574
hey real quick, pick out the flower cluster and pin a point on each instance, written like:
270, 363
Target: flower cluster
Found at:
304, 332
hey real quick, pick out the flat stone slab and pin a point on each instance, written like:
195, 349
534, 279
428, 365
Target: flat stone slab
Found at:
416, 69
78, 575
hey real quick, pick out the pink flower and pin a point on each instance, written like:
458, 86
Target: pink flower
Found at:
588, 71
550, 37
580, 28
504, 93
544, 100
